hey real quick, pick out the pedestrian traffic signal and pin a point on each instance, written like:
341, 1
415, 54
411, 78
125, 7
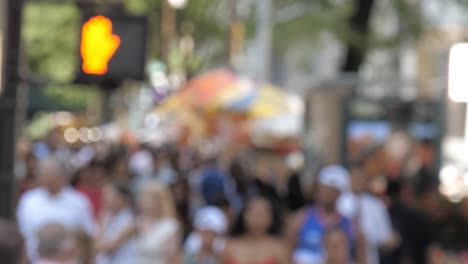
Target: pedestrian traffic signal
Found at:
98, 44
112, 49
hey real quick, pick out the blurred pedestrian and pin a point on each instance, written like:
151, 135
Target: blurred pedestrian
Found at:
115, 240
90, 183
412, 226
180, 190
263, 179
307, 227
369, 213
85, 252
165, 166
29, 181
216, 184
294, 196
205, 245
52, 202
119, 171
157, 226
141, 165
255, 234
336, 247
12, 247
56, 245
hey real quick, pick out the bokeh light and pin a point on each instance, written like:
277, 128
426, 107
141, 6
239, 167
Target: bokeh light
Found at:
84, 134
71, 135
95, 134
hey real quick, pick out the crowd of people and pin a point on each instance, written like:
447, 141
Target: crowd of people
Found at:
124, 204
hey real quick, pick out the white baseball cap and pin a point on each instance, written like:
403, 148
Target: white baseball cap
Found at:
335, 176
211, 218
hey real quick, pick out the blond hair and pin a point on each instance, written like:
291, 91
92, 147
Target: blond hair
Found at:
164, 195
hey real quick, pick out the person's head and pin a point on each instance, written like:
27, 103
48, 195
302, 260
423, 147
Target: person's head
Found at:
262, 169
31, 163
358, 180
85, 252
54, 138
155, 200
336, 246
51, 175
333, 180
98, 169
260, 216
56, 243
120, 171
116, 197
12, 248
210, 222
372, 158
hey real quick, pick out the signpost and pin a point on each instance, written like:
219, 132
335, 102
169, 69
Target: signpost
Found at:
10, 82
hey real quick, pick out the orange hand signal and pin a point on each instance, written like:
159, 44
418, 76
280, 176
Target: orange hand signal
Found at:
98, 45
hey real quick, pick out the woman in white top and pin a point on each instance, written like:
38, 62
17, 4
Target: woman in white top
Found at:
157, 227
116, 241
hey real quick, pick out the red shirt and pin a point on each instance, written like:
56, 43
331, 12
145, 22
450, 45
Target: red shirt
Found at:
94, 195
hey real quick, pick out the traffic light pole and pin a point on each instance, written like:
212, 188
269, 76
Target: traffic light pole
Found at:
10, 83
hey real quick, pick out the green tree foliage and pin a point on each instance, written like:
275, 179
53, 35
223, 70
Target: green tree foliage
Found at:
198, 19
50, 35
50, 43
316, 17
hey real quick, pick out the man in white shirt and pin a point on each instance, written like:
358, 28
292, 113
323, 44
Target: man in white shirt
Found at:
370, 214
53, 202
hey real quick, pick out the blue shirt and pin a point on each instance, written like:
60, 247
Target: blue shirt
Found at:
309, 247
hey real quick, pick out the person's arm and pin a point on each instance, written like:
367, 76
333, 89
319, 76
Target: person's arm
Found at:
387, 238
293, 226
224, 256
361, 255
283, 254
172, 249
109, 246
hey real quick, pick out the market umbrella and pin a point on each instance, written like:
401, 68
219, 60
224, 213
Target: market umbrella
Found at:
202, 92
173, 103
266, 102
240, 89
283, 125
204, 89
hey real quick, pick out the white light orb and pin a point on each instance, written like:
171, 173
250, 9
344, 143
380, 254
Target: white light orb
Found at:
177, 4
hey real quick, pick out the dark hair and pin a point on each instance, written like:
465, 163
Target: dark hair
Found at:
239, 228
11, 243
124, 191
99, 162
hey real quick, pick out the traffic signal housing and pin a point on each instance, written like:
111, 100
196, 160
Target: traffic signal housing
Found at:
112, 49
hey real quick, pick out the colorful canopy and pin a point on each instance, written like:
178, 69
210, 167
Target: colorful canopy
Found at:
222, 90
204, 89
265, 102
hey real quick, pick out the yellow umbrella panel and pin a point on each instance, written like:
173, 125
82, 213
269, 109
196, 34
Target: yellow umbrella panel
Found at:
266, 102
